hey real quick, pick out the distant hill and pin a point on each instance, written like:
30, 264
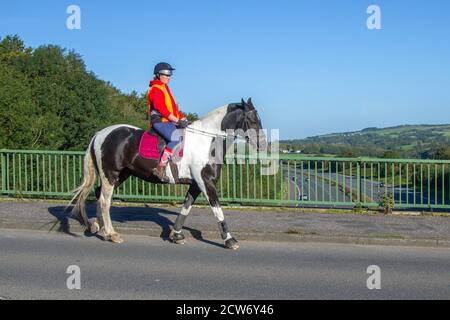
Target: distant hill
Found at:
418, 141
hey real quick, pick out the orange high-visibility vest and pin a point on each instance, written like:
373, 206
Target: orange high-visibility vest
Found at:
167, 101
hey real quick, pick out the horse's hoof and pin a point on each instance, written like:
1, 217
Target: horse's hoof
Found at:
115, 238
94, 227
177, 237
232, 244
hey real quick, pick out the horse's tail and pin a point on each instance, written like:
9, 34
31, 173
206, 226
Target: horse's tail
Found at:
82, 192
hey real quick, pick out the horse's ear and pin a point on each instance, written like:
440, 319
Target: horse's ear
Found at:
243, 102
250, 104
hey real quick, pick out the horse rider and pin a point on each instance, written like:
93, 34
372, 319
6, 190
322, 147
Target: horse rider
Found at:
164, 114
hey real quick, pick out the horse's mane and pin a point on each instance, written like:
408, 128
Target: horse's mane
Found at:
214, 117
213, 112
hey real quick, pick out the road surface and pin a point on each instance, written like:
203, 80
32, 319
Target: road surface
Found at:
33, 265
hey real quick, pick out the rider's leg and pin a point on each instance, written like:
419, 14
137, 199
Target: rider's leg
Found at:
168, 131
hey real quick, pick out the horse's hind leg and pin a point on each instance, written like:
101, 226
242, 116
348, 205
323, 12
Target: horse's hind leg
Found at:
103, 207
95, 224
99, 223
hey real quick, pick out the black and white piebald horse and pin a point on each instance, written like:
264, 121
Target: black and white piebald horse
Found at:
113, 155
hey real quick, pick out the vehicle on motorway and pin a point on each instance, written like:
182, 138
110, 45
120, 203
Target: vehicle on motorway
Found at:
303, 197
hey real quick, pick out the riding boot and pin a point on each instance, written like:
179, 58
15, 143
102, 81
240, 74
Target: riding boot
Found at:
160, 170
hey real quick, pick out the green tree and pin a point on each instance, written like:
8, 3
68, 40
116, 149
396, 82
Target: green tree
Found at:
50, 101
17, 110
191, 116
391, 155
443, 153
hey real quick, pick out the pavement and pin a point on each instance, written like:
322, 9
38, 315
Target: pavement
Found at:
255, 224
41, 265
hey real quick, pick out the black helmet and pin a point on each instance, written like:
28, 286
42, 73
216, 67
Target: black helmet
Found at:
163, 68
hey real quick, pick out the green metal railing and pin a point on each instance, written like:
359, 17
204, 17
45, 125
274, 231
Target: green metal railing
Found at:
56, 174
300, 181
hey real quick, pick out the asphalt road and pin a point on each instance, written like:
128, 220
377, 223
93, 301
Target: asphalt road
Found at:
33, 265
315, 188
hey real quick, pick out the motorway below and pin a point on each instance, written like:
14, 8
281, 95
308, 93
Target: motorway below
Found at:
33, 266
337, 188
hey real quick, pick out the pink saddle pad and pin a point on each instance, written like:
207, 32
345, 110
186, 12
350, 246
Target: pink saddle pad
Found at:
148, 147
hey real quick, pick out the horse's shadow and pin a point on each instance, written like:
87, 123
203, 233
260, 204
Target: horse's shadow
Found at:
158, 216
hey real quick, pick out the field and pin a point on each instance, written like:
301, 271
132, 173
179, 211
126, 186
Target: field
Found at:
407, 141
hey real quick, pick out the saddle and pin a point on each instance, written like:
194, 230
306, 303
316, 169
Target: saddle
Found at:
152, 146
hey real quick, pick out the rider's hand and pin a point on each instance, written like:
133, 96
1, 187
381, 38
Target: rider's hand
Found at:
182, 124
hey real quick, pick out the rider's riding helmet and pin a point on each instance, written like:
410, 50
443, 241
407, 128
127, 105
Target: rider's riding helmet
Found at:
163, 68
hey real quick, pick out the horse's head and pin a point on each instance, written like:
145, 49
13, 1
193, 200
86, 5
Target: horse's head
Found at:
243, 117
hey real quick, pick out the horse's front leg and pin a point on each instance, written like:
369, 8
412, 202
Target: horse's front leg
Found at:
176, 235
213, 199
229, 241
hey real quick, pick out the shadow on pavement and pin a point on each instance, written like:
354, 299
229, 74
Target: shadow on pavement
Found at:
158, 216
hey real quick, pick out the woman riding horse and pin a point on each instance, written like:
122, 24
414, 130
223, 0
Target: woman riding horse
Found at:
164, 114
113, 156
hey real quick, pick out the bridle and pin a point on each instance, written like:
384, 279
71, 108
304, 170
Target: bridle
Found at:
246, 124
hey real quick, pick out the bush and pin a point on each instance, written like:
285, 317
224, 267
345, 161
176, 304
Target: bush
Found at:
387, 203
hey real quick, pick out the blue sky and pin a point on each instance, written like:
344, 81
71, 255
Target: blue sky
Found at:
311, 66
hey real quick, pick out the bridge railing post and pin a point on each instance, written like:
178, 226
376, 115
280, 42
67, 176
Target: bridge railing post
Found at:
3, 166
359, 182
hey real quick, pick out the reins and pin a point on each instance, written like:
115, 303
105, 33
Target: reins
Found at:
221, 133
207, 133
